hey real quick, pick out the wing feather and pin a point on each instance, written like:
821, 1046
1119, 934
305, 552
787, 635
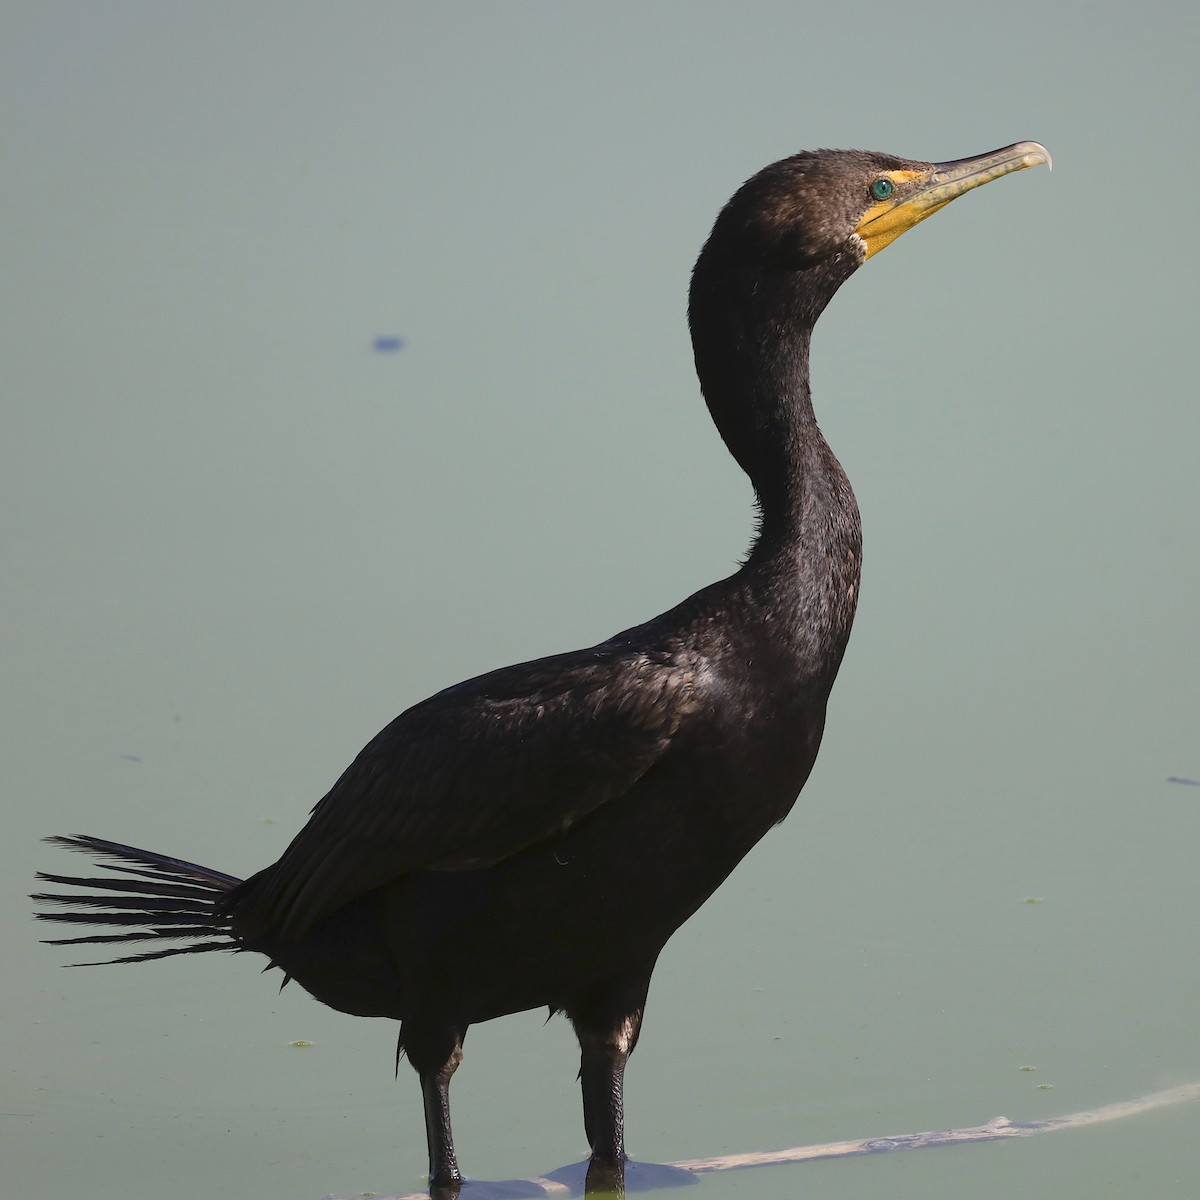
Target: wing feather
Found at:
476, 774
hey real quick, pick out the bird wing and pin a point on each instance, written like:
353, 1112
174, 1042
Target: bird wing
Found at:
477, 773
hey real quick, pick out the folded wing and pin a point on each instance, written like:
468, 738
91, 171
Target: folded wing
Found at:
474, 775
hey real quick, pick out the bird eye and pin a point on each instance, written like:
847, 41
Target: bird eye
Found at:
881, 189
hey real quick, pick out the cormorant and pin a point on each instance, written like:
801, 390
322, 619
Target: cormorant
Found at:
533, 837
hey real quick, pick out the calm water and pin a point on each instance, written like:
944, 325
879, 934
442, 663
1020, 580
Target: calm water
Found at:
346, 358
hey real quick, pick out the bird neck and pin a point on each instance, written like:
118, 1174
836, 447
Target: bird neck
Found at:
752, 335
806, 560
752, 332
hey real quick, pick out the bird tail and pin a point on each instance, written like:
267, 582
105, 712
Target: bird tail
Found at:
168, 900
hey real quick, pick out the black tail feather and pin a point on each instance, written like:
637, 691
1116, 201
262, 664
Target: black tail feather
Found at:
152, 954
171, 900
142, 904
129, 885
145, 862
197, 931
116, 917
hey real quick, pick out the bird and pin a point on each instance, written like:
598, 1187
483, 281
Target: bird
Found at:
532, 838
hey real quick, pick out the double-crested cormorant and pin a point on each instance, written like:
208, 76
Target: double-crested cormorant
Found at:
534, 836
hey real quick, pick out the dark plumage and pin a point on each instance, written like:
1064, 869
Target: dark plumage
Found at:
534, 836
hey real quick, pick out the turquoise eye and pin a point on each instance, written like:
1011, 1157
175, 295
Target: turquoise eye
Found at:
881, 189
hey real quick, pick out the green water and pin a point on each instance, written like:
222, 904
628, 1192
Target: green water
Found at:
237, 540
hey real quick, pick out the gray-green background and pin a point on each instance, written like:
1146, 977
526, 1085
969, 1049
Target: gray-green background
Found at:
236, 541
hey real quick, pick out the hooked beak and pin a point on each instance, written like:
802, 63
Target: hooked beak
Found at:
882, 223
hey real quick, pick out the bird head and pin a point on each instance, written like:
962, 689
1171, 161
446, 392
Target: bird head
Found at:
780, 249
824, 205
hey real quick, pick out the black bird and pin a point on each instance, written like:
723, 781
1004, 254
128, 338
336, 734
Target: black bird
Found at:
533, 837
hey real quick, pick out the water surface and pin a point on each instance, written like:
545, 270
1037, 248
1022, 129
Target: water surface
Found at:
238, 539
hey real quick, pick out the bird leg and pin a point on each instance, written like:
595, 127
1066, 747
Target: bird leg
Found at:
602, 1080
435, 1090
607, 1022
436, 1059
